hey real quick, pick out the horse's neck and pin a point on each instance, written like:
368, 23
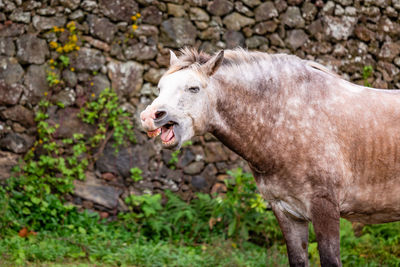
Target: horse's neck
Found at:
242, 121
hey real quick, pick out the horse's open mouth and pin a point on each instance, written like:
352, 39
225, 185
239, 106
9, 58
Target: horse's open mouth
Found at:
167, 133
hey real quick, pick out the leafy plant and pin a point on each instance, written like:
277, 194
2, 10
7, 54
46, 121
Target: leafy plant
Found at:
239, 214
136, 174
110, 119
64, 60
149, 204
174, 155
367, 72
145, 215
243, 210
52, 78
174, 159
43, 177
34, 195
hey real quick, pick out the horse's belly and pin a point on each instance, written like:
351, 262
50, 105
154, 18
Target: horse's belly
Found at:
372, 218
378, 203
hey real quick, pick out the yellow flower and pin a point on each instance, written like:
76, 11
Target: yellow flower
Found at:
52, 67
45, 93
59, 50
73, 38
53, 44
72, 69
67, 48
71, 24
93, 95
134, 26
51, 61
56, 81
55, 29
61, 29
77, 48
133, 18
40, 141
91, 83
138, 15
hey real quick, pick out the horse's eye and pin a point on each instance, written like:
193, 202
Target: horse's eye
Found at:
194, 89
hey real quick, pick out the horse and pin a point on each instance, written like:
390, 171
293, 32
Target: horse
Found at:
319, 147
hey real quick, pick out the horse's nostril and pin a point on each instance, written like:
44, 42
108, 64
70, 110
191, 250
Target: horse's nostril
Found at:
160, 114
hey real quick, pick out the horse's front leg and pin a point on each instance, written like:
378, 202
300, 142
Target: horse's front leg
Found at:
295, 233
326, 222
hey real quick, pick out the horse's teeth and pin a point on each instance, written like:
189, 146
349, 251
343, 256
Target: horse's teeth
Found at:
169, 142
154, 133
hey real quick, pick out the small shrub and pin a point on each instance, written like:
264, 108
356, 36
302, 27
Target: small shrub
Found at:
243, 211
367, 72
136, 174
174, 159
52, 78
43, 176
239, 214
64, 60
110, 119
174, 156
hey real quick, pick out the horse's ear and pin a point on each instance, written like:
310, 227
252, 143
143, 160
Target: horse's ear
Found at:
213, 64
173, 58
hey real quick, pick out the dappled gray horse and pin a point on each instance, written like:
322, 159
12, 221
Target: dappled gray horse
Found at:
320, 148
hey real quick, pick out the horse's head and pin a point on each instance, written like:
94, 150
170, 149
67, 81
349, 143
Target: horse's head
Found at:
182, 109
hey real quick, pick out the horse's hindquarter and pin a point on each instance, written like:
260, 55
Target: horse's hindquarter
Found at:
368, 131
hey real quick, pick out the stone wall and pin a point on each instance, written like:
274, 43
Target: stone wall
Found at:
345, 35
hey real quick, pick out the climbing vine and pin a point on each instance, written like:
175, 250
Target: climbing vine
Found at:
48, 170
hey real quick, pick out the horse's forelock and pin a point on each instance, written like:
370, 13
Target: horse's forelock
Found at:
189, 57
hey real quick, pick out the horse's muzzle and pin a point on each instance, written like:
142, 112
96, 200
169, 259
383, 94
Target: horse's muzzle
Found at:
153, 118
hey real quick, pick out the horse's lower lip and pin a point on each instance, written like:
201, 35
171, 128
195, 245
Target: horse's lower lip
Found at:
170, 142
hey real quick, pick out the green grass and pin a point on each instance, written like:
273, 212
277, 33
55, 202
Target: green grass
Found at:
113, 245
50, 249
379, 245
230, 230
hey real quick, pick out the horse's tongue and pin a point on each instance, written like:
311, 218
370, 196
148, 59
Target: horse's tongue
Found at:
167, 134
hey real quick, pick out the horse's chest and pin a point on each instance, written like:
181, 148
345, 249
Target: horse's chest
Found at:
285, 198
292, 209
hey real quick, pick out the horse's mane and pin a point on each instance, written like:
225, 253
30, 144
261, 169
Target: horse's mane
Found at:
191, 57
